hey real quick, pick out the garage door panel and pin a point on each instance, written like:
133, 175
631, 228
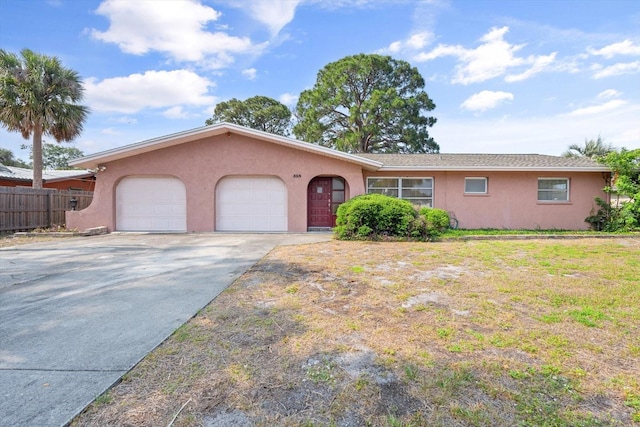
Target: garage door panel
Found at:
151, 204
249, 203
276, 210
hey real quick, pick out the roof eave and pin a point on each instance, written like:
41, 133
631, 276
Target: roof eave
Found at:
93, 161
491, 169
15, 178
70, 177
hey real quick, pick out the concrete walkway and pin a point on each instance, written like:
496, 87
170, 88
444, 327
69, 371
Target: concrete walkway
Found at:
77, 314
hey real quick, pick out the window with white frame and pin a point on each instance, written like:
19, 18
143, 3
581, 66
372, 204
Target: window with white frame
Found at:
418, 191
475, 185
553, 189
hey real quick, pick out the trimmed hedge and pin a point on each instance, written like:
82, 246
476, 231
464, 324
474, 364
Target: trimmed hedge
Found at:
376, 217
436, 218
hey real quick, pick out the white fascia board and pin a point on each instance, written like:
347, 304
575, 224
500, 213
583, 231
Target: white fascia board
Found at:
490, 169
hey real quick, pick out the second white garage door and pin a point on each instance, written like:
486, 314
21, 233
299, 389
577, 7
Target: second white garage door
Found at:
151, 203
251, 203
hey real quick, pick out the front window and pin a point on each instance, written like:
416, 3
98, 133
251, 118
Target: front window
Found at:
337, 194
386, 186
418, 191
475, 185
553, 190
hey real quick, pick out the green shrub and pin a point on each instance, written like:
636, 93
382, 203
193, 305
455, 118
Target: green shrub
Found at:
373, 216
437, 219
615, 218
625, 184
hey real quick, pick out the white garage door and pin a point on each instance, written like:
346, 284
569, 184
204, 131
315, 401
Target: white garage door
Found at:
156, 203
251, 203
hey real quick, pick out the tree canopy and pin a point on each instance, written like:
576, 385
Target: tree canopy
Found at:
623, 212
57, 156
367, 104
39, 96
7, 158
592, 148
259, 112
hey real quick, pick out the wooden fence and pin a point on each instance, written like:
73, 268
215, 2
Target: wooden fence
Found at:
24, 209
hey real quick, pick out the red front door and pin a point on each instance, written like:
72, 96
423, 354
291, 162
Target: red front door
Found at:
319, 203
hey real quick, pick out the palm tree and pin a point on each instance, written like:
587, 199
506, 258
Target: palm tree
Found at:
38, 96
593, 149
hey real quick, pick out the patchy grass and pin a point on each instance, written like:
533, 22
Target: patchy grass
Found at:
477, 333
7, 240
461, 233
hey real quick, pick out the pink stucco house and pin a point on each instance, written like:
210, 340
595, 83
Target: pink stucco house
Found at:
231, 178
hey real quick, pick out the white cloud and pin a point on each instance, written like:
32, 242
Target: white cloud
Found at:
153, 89
540, 64
491, 59
289, 99
415, 42
536, 134
250, 73
626, 47
609, 93
275, 14
110, 131
486, 100
173, 27
597, 109
616, 69
176, 112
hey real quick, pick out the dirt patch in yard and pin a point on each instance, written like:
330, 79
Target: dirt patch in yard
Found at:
398, 334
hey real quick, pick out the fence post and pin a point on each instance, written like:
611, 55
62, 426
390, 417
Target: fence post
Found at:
49, 208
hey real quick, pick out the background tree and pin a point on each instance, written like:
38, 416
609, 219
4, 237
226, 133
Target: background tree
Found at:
56, 156
38, 96
367, 104
7, 158
259, 112
623, 214
592, 148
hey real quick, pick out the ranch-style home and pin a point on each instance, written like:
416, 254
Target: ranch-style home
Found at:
231, 178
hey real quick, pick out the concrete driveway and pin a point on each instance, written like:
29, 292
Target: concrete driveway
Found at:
77, 314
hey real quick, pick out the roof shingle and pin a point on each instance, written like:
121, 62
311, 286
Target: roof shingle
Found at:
482, 162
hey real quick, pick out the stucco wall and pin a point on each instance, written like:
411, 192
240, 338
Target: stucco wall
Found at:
512, 199
201, 164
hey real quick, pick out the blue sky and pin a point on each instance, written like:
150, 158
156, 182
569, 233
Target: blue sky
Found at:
506, 76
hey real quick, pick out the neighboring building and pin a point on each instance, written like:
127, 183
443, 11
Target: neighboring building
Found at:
84, 180
231, 178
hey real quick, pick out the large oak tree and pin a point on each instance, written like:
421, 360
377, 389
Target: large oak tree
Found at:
258, 112
367, 104
38, 96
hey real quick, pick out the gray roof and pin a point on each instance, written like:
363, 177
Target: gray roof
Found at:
22, 174
506, 162
382, 162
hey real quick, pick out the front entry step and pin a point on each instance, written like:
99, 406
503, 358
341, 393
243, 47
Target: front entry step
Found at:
319, 229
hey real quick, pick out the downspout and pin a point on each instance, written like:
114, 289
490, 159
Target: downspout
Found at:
608, 182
